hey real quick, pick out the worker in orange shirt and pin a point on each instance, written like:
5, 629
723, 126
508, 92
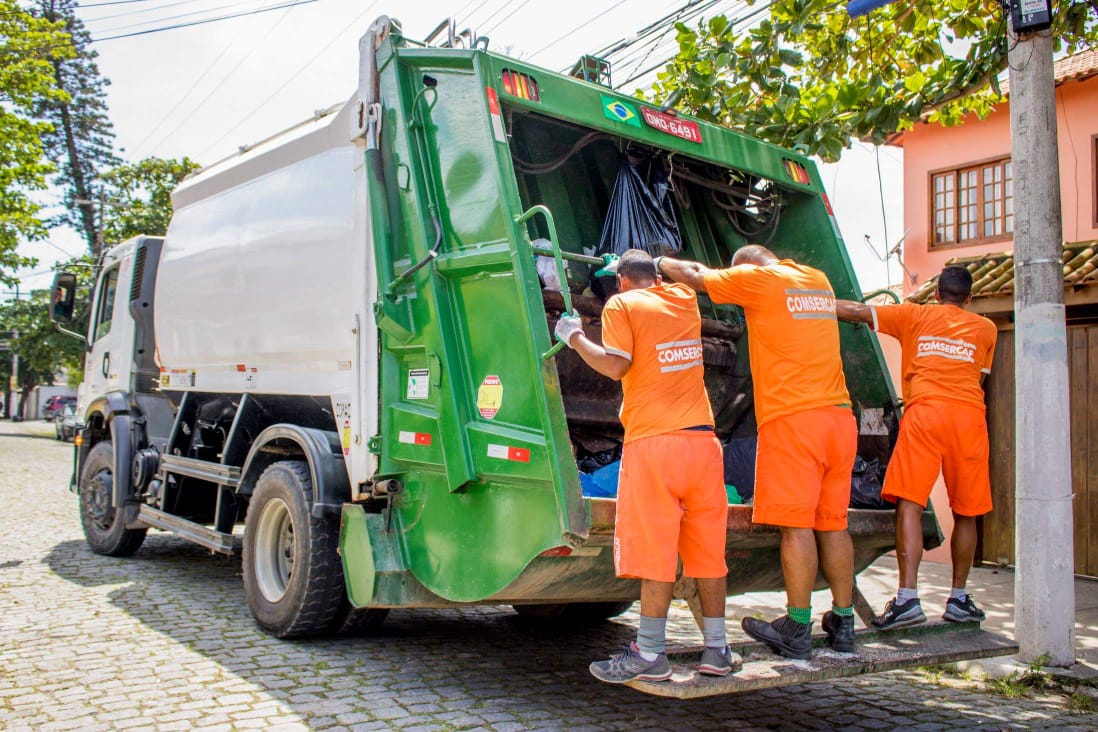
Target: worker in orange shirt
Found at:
807, 433
671, 496
946, 353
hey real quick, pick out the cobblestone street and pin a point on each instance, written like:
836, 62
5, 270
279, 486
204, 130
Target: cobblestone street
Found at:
164, 640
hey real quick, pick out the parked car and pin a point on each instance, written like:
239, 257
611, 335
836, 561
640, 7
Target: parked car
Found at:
64, 424
55, 405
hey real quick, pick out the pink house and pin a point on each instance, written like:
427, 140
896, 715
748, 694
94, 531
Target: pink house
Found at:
958, 205
958, 198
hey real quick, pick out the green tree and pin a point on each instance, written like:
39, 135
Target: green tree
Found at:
810, 76
138, 196
43, 350
28, 48
81, 140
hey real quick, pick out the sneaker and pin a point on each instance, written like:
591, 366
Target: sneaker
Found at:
629, 665
961, 612
840, 631
784, 635
900, 615
719, 662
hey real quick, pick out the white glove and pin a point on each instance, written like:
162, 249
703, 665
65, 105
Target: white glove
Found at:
568, 326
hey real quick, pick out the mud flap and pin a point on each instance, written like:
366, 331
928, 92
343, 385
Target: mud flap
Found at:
932, 643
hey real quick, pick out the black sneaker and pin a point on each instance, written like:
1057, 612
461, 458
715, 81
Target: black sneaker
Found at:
840, 631
962, 612
900, 615
785, 635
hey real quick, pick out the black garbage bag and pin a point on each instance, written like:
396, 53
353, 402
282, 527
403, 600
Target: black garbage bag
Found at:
865, 485
638, 217
739, 465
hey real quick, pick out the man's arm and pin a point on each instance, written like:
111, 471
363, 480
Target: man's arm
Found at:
691, 274
854, 312
570, 330
596, 357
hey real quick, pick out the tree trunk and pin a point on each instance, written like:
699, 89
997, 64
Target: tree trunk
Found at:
76, 166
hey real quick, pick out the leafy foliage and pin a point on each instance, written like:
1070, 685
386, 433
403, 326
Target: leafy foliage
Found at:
81, 140
812, 77
43, 350
28, 48
139, 197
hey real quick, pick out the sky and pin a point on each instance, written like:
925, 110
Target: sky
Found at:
205, 90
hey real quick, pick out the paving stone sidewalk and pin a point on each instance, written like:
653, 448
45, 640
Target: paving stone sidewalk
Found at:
164, 641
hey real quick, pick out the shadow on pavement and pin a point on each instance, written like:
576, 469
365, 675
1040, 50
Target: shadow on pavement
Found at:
481, 665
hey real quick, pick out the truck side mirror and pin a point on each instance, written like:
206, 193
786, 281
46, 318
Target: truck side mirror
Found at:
62, 297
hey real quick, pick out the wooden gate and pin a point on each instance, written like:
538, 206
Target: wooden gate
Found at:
997, 536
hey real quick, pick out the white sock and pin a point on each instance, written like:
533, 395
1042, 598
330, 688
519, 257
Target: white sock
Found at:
958, 594
905, 594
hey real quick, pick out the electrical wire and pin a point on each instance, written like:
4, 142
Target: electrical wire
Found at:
217, 87
273, 95
128, 13
507, 17
290, 4
582, 25
191, 14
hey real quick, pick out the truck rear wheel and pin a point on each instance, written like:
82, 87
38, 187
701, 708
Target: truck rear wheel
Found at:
293, 577
104, 527
573, 613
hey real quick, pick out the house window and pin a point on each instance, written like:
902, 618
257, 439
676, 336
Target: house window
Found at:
1094, 200
972, 204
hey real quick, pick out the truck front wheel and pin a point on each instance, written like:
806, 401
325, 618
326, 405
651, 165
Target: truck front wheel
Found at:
104, 526
292, 573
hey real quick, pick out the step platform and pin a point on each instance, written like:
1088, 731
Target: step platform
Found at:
921, 645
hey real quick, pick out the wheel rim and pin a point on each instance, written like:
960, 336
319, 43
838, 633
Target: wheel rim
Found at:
98, 499
274, 550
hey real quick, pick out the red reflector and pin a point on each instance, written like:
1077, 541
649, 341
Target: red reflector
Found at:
827, 204
557, 551
493, 101
508, 85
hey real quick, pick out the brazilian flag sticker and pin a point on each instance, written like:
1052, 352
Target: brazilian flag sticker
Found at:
620, 111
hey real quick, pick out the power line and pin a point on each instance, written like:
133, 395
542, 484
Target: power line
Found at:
113, 2
296, 74
213, 64
507, 17
291, 4
112, 16
155, 21
584, 24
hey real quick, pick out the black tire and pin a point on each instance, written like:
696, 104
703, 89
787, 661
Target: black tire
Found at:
104, 527
352, 622
573, 613
293, 577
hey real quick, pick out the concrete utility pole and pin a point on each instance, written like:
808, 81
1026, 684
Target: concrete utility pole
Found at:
1044, 590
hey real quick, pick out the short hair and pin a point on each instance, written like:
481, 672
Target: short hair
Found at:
954, 284
753, 254
637, 265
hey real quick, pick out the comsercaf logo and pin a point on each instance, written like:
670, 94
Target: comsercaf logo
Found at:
679, 355
810, 304
953, 348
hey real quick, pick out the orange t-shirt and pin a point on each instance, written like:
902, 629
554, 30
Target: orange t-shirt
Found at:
945, 349
792, 335
659, 330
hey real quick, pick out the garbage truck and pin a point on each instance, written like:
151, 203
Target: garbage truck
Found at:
339, 359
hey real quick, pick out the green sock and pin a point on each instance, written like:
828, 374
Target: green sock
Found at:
843, 612
802, 615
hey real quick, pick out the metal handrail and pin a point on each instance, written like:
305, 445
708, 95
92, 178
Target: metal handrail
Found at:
558, 256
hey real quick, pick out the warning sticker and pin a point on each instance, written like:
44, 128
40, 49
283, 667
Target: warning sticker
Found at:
176, 378
343, 422
418, 380
490, 397
415, 438
506, 452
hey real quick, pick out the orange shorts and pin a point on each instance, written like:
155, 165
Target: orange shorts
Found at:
671, 503
802, 469
941, 436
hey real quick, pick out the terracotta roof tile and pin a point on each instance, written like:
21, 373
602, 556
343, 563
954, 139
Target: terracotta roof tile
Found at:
993, 274
1080, 66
